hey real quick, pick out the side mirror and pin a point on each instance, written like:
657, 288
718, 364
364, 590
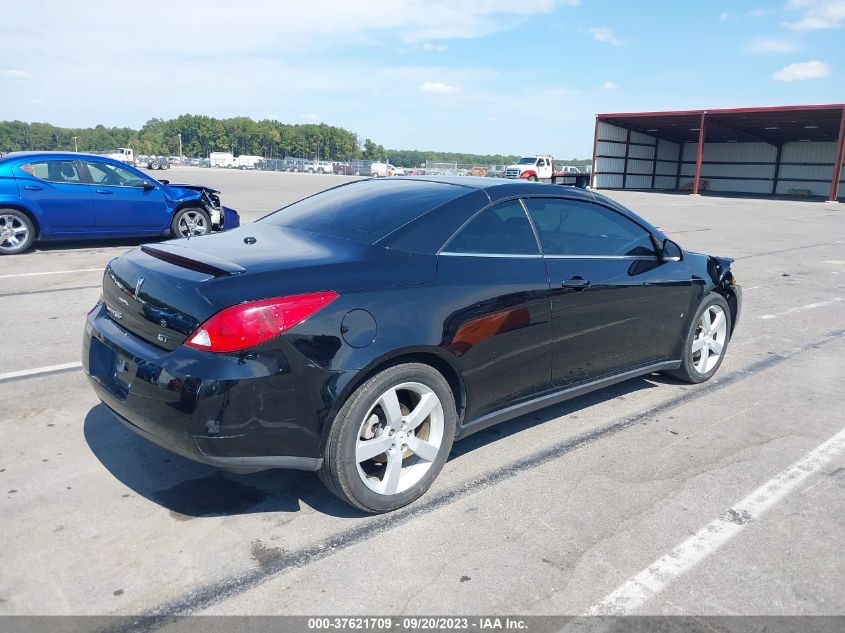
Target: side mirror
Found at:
148, 186
670, 252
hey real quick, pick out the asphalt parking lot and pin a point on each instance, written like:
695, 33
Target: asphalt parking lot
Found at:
650, 497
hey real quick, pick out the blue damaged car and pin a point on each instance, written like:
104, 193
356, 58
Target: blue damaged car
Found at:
54, 195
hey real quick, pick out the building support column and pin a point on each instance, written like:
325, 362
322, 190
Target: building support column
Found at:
654, 162
777, 169
837, 165
698, 160
627, 151
680, 162
593, 178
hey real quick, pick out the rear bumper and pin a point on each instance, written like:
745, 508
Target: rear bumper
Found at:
235, 413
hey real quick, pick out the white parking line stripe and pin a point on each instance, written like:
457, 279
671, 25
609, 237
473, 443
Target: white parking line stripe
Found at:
53, 272
809, 306
656, 577
39, 370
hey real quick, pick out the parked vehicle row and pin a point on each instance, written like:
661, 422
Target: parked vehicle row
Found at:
56, 195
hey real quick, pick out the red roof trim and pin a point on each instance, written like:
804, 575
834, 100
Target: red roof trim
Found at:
831, 106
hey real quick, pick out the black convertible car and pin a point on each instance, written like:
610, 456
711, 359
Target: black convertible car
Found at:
359, 331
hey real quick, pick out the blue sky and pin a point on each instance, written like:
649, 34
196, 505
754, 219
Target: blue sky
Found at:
509, 76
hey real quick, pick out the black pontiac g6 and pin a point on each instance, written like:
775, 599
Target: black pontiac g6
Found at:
360, 331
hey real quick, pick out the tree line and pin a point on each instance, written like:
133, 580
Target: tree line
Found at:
201, 135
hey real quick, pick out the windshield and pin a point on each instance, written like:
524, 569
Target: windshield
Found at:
365, 211
526, 161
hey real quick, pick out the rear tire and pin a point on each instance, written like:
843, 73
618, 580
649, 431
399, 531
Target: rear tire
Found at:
17, 232
379, 456
706, 341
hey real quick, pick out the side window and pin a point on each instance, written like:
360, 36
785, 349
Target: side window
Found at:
107, 174
571, 227
54, 170
500, 230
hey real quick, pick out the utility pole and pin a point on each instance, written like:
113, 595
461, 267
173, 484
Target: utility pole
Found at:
180, 147
75, 146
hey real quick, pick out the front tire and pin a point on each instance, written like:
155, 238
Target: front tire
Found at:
390, 439
17, 232
190, 222
532, 178
706, 341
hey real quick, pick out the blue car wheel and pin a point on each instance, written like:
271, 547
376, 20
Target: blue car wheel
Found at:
17, 232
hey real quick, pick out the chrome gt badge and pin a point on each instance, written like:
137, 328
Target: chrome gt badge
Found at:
162, 338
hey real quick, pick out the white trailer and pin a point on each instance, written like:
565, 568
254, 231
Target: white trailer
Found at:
221, 159
247, 162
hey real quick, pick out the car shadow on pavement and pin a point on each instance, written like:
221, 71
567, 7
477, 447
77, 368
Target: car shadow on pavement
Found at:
189, 489
568, 407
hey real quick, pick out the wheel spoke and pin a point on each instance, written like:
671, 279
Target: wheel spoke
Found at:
716, 346
392, 473
701, 365
717, 322
424, 407
706, 321
370, 448
423, 449
389, 402
698, 343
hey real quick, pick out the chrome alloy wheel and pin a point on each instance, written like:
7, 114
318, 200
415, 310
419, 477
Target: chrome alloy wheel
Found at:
192, 223
399, 438
13, 232
709, 340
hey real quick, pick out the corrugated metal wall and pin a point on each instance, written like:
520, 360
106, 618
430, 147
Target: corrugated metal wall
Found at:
632, 160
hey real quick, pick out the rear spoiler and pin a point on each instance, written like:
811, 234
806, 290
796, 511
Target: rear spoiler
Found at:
193, 259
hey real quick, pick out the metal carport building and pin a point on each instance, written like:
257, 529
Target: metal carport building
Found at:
757, 151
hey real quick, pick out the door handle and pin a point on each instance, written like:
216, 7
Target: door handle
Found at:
33, 188
576, 283
105, 192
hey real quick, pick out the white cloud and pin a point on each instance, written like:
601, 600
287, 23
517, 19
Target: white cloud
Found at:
804, 70
609, 85
14, 73
428, 46
605, 35
765, 45
310, 117
817, 14
438, 87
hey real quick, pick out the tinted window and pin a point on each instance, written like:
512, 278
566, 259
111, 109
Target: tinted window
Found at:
365, 211
570, 227
502, 230
54, 170
107, 174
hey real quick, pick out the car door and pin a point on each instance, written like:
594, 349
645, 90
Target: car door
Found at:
122, 203
498, 327
55, 189
615, 304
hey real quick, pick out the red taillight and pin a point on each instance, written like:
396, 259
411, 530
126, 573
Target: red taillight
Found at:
246, 325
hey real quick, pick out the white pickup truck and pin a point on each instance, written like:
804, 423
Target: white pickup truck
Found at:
542, 168
382, 170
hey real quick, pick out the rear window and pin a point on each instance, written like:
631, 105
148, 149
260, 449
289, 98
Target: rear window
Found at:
365, 211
